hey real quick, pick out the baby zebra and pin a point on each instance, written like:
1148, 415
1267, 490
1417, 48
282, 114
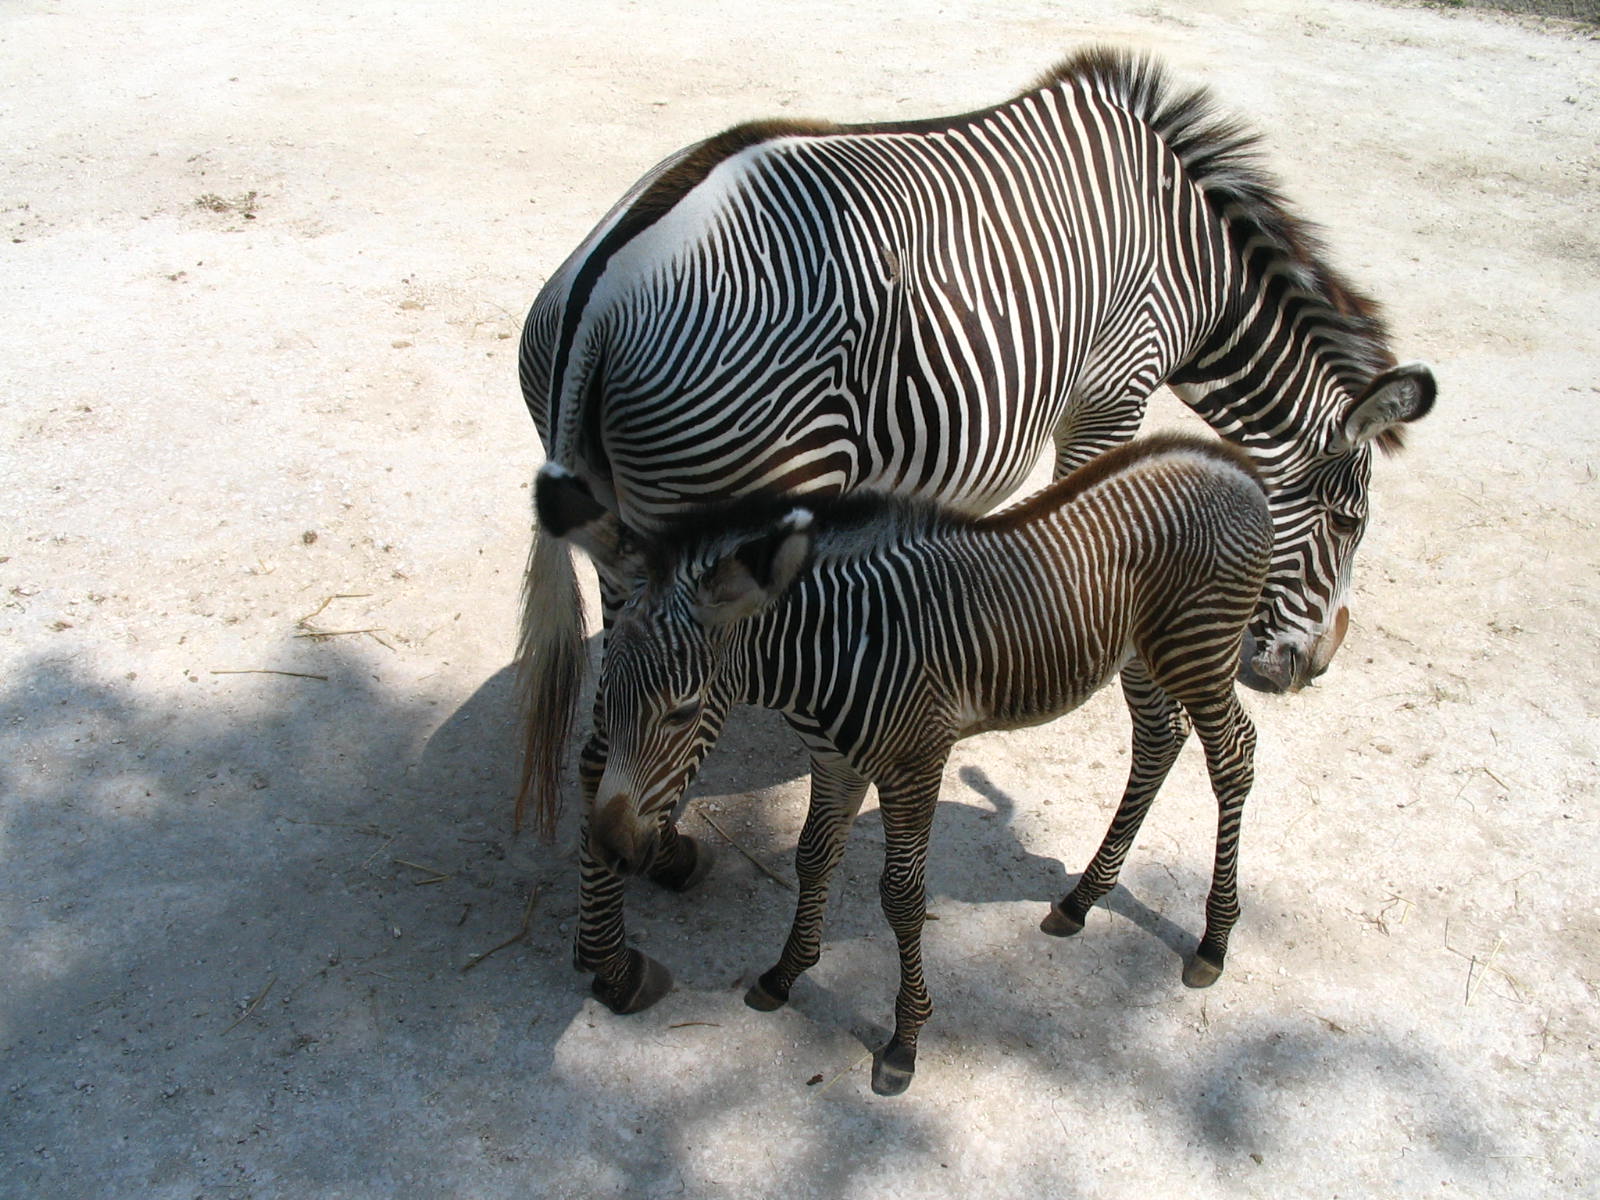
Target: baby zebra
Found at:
885, 629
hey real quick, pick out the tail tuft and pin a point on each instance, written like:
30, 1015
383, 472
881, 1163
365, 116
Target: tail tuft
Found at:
550, 665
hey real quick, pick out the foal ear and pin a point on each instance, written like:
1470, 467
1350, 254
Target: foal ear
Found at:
568, 510
1393, 399
757, 572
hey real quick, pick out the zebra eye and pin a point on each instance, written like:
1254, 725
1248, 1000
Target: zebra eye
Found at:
1343, 522
685, 713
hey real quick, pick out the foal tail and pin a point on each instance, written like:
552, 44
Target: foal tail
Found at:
550, 664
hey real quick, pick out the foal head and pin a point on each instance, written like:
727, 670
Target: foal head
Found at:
669, 672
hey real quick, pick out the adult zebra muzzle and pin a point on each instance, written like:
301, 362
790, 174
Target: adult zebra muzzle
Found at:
1285, 665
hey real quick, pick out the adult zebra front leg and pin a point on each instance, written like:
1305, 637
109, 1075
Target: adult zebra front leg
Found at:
625, 980
907, 809
1102, 416
836, 795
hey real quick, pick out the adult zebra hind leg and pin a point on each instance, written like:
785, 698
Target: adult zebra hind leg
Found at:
836, 795
1159, 731
1229, 738
681, 862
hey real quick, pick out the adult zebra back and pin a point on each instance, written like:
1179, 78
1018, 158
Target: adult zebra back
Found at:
885, 629
920, 306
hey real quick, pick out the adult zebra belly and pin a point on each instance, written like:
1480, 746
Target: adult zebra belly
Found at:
810, 437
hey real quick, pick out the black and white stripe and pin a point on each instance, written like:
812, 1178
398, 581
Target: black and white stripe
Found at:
924, 307
886, 629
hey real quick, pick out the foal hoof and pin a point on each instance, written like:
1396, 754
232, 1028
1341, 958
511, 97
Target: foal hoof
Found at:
892, 1068
1060, 923
764, 997
689, 866
1201, 971
643, 983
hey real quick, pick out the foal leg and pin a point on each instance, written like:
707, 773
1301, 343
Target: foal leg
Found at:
625, 980
907, 819
1159, 731
1230, 741
836, 795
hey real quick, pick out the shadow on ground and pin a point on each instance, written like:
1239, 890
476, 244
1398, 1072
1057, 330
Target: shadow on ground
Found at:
236, 927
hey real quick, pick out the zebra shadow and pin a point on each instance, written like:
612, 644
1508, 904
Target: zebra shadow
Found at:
748, 803
479, 743
1075, 1008
1120, 900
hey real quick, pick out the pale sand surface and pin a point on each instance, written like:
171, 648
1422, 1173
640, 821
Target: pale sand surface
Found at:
218, 415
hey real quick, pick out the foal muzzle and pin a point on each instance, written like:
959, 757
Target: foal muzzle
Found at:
619, 839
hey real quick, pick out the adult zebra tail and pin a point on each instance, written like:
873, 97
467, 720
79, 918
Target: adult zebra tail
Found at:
550, 663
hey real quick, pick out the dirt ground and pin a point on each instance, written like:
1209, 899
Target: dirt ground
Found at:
265, 507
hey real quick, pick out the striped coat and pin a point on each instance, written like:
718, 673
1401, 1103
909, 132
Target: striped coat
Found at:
925, 306
887, 629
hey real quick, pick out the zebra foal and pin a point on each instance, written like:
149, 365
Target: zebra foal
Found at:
887, 628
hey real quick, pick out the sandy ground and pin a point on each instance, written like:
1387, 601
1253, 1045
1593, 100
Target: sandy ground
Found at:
258, 381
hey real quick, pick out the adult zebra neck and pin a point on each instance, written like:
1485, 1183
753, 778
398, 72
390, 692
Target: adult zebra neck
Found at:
1298, 372
1294, 346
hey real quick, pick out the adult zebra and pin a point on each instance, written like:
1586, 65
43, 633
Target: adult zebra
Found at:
919, 306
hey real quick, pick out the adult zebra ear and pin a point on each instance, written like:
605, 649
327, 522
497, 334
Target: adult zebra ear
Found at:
1392, 400
568, 510
756, 572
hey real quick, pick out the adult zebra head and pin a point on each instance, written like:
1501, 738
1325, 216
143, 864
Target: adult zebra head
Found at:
1319, 496
667, 680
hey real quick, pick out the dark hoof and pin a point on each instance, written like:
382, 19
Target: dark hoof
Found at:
1201, 971
892, 1068
764, 996
691, 864
1061, 923
643, 983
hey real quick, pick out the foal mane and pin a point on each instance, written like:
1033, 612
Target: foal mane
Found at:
868, 520
1115, 462
845, 524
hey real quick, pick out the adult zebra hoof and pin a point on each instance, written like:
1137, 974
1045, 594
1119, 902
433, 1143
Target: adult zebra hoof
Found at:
1202, 970
643, 982
691, 864
1060, 923
764, 996
892, 1068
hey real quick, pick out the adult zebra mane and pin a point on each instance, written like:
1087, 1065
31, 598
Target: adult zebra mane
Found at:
1224, 158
